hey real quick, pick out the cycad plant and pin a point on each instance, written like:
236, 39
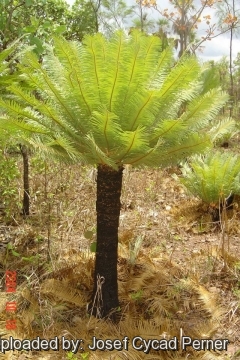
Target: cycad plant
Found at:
213, 178
223, 131
112, 102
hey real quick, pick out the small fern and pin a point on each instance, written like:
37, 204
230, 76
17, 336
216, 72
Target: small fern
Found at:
214, 177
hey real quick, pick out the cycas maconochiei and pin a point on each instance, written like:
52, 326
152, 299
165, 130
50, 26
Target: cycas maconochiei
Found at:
215, 179
112, 102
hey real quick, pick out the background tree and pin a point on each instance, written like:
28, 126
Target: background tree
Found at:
82, 19
128, 117
221, 68
186, 16
163, 32
183, 24
236, 64
229, 19
143, 22
91, 16
114, 14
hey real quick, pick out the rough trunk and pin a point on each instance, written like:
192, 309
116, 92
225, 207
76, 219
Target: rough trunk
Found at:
105, 290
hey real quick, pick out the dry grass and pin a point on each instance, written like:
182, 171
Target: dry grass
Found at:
178, 280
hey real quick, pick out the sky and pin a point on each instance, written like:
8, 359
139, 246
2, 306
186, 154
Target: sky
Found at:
212, 50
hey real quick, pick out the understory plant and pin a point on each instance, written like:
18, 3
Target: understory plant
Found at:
223, 131
213, 177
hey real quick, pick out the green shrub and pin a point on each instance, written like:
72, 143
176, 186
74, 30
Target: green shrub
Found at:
223, 130
214, 177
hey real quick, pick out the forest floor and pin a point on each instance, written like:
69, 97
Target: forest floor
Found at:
175, 231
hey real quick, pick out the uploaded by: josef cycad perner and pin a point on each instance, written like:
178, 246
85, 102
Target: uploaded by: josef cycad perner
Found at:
145, 345
138, 343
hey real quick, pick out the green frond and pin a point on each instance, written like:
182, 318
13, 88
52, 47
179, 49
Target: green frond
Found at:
7, 57
13, 125
160, 72
165, 153
194, 143
71, 76
140, 109
134, 144
59, 147
32, 120
4, 55
128, 72
147, 50
106, 130
168, 130
204, 107
178, 80
224, 129
115, 67
94, 152
52, 94
94, 73
63, 147
184, 70
210, 77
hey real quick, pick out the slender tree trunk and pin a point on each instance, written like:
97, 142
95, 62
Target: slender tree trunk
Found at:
105, 290
231, 74
231, 11
26, 191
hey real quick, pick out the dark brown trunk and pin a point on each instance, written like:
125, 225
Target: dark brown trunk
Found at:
26, 191
104, 300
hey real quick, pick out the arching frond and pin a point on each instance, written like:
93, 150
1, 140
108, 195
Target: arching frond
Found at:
223, 129
115, 101
165, 153
204, 108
